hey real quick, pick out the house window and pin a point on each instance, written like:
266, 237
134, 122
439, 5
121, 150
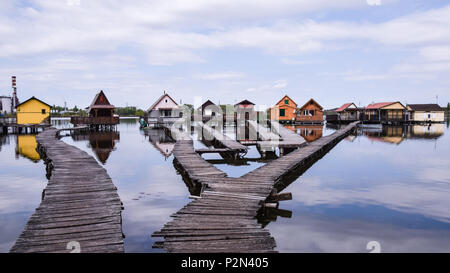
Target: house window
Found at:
43, 111
311, 112
166, 100
166, 113
282, 113
286, 101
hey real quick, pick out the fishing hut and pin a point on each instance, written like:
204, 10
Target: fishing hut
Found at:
100, 114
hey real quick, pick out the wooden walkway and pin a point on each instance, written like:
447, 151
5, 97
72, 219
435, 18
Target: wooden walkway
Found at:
230, 145
289, 139
80, 204
223, 219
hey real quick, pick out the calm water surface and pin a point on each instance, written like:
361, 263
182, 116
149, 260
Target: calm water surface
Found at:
390, 185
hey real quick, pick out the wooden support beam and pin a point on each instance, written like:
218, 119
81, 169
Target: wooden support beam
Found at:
279, 197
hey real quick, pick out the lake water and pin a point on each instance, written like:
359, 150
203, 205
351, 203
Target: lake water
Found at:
390, 185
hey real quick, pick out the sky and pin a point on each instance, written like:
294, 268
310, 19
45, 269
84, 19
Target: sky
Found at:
360, 51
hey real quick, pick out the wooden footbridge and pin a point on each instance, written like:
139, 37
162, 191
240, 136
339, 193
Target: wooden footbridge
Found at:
223, 217
80, 208
228, 147
275, 136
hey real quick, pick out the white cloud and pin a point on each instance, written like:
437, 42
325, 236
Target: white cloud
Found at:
436, 53
221, 76
280, 84
94, 27
373, 2
55, 44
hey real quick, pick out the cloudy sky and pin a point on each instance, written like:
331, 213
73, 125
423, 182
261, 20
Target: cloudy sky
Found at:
226, 50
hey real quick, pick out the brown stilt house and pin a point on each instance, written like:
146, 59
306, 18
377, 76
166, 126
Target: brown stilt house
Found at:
100, 113
310, 113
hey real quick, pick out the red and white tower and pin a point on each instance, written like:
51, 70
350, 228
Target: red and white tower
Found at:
15, 100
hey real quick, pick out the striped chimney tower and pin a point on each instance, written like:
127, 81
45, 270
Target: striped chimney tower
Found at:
15, 100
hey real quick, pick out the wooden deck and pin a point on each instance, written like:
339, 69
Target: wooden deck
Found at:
223, 219
225, 143
80, 204
95, 120
289, 139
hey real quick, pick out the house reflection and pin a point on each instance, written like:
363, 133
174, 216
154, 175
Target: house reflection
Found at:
161, 141
396, 134
430, 131
101, 142
309, 132
4, 140
387, 134
26, 147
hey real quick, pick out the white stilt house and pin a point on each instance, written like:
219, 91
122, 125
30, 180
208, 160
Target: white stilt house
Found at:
164, 110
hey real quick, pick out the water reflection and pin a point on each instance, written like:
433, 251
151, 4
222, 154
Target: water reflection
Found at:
309, 132
365, 190
432, 131
21, 185
362, 190
396, 134
101, 142
4, 140
26, 147
161, 141
387, 134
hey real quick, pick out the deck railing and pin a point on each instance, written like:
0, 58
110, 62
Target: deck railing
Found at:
7, 120
95, 120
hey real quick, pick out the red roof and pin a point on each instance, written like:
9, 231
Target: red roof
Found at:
343, 107
379, 105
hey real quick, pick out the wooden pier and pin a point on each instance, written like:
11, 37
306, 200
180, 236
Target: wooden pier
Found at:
80, 209
289, 140
223, 217
6, 123
226, 144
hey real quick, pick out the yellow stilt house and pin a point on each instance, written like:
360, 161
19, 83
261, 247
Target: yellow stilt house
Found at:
33, 111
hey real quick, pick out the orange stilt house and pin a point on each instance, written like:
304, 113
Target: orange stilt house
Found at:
284, 111
310, 113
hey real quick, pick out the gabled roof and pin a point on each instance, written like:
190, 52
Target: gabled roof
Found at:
33, 98
100, 105
160, 99
345, 106
313, 101
206, 103
244, 102
288, 98
379, 105
425, 107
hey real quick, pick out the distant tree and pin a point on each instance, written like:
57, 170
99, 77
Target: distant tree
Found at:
448, 106
140, 113
190, 106
75, 109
